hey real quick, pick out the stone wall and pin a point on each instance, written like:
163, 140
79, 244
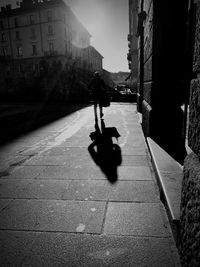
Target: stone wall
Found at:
189, 238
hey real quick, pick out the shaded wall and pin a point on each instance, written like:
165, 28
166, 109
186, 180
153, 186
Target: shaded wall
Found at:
189, 238
161, 64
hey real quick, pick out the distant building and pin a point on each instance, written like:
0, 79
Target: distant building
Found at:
95, 59
132, 55
44, 29
120, 77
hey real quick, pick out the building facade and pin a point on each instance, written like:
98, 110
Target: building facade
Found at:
169, 70
132, 55
39, 30
161, 68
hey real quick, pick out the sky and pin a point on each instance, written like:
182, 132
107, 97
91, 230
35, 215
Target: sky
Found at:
107, 22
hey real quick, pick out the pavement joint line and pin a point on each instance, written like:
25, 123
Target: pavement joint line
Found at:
88, 233
82, 200
4, 207
64, 179
85, 233
104, 216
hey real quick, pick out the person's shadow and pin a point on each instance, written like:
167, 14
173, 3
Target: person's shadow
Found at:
105, 153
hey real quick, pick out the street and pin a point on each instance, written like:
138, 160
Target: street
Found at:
67, 200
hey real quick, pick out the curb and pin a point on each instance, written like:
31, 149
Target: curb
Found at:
169, 174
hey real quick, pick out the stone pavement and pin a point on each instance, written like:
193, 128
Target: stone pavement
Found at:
59, 208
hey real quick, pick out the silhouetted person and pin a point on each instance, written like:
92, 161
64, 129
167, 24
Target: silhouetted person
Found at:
97, 87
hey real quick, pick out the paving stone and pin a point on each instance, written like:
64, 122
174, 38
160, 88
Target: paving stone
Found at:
134, 191
4, 203
135, 160
137, 191
14, 246
78, 173
134, 173
68, 160
133, 150
137, 219
24, 172
61, 249
50, 215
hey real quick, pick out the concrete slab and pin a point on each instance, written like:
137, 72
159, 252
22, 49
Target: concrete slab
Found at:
68, 156
134, 191
137, 219
133, 150
135, 160
134, 173
4, 203
77, 250
78, 173
14, 246
56, 216
61, 160
131, 191
24, 172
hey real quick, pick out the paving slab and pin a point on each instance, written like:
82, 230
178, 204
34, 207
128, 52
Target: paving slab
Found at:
71, 159
137, 219
24, 172
96, 190
134, 173
4, 203
134, 191
133, 150
61, 249
53, 215
135, 160
78, 173
14, 246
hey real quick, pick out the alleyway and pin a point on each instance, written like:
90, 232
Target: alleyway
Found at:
60, 206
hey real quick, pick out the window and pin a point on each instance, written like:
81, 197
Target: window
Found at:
17, 35
32, 19
21, 68
35, 67
4, 51
3, 36
34, 49
33, 35
16, 21
1, 25
49, 15
51, 47
19, 51
50, 30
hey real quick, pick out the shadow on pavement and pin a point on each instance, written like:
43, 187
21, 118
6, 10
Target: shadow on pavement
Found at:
16, 120
105, 153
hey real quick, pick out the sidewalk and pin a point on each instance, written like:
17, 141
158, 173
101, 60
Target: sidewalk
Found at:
59, 208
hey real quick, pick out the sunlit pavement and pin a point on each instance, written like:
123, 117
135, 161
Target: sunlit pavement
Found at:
58, 208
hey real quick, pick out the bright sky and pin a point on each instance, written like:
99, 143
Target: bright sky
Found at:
107, 22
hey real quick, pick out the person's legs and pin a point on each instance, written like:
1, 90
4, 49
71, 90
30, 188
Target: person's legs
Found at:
95, 110
101, 110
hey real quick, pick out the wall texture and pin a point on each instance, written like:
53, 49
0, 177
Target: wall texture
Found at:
189, 238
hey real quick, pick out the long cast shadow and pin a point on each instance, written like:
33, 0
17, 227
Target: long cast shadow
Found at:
105, 153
